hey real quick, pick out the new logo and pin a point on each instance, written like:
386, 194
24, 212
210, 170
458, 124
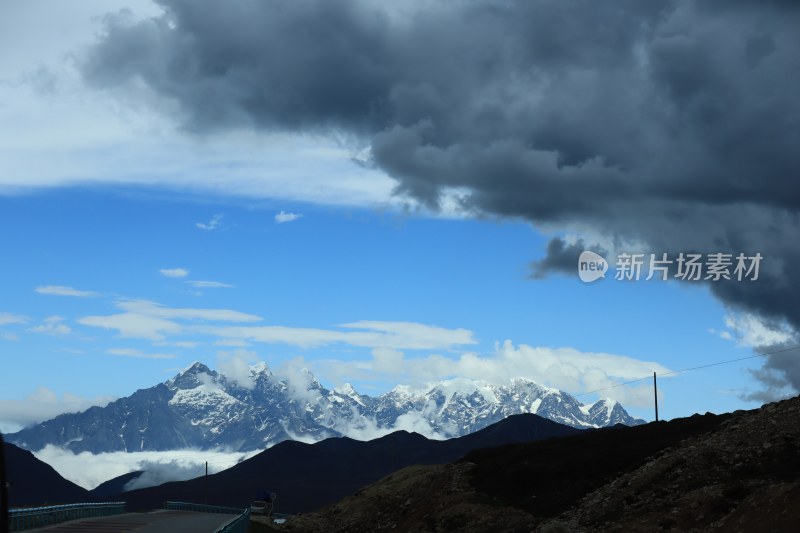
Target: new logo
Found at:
591, 266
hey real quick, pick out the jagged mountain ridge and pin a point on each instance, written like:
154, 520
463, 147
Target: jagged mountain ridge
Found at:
201, 408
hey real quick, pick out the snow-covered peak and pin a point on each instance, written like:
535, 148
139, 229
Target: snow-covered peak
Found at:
606, 404
310, 379
204, 408
529, 383
191, 376
604, 412
346, 390
259, 368
403, 392
195, 368
609, 403
464, 387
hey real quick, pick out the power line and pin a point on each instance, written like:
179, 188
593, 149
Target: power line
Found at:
762, 354
611, 387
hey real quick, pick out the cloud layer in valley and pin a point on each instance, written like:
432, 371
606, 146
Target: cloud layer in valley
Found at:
89, 470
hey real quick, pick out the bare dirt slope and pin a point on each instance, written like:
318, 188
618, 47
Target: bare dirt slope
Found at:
745, 476
737, 472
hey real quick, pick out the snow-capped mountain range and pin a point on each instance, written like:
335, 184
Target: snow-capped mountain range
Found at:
201, 408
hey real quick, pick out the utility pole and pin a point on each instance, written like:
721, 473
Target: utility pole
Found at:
206, 487
655, 394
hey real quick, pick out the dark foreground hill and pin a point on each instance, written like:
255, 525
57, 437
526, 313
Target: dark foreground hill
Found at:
308, 476
33, 482
733, 472
114, 486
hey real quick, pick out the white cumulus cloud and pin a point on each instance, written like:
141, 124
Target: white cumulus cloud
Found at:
753, 331
564, 368
43, 404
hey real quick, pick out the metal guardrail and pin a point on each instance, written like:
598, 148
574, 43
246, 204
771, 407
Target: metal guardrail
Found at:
240, 524
201, 508
31, 517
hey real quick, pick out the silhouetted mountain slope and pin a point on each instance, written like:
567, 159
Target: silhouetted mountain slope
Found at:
34, 482
114, 486
545, 478
307, 476
732, 472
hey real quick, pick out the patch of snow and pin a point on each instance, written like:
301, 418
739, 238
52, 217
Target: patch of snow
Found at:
535, 405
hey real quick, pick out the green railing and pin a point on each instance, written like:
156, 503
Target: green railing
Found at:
20, 519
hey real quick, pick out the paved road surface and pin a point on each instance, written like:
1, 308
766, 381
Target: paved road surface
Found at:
155, 522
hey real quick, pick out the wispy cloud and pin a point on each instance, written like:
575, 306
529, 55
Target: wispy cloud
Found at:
233, 343
134, 325
154, 309
60, 290
148, 320
53, 325
179, 344
398, 335
212, 224
284, 217
210, 285
174, 272
129, 352
8, 318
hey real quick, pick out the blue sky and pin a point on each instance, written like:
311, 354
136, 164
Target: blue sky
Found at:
133, 245
328, 267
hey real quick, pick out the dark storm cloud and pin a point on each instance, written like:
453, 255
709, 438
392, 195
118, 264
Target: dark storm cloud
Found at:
779, 377
671, 123
562, 257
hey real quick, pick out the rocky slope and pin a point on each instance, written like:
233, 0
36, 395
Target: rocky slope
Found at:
745, 476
